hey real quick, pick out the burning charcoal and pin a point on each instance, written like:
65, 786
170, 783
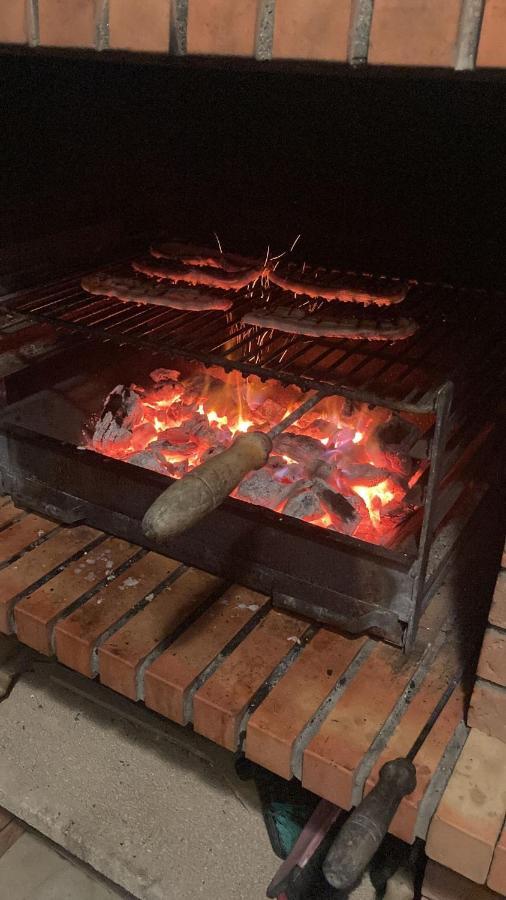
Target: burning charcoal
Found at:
338, 506
322, 470
304, 505
178, 469
202, 387
176, 435
261, 488
321, 428
365, 474
390, 443
176, 452
164, 375
148, 460
270, 411
290, 473
298, 447
122, 411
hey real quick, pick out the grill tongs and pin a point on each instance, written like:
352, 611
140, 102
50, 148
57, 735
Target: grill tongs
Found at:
191, 498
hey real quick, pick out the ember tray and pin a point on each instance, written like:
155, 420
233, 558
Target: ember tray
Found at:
328, 576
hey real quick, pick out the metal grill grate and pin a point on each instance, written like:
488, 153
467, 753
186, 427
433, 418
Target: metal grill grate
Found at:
451, 343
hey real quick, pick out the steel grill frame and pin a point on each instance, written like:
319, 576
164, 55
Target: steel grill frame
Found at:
448, 369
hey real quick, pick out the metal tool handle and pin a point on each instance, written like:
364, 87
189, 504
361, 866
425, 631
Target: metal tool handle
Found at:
367, 826
187, 501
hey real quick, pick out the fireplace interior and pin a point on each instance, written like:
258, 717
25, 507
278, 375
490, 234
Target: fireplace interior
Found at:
366, 500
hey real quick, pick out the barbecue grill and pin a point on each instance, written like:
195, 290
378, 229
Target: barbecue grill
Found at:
448, 376
333, 577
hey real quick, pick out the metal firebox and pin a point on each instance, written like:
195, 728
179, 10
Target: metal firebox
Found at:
328, 576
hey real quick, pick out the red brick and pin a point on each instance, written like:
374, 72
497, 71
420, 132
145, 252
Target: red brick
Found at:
468, 821
120, 656
12, 22
218, 707
222, 27
492, 662
76, 636
9, 512
168, 681
440, 883
410, 725
67, 23
316, 30
17, 537
36, 563
426, 762
497, 614
497, 875
488, 709
275, 725
414, 32
140, 26
36, 615
333, 756
492, 46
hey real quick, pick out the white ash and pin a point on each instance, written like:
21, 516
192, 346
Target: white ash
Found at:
121, 413
129, 583
148, 460
253, 607
261, 488
305, 505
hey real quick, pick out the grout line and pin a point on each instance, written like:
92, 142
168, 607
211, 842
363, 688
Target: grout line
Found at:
210, 669
102, 25
160, 648
178, 27
314, 724
471, 17
130, 613
264, 34
80, 601
32, 22
51, 574
275, 676
388, 728
360, 31
437, 786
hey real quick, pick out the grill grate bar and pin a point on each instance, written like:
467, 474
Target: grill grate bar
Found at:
448, 345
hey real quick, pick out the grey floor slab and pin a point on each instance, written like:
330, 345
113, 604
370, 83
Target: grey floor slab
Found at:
33, 870
154, 817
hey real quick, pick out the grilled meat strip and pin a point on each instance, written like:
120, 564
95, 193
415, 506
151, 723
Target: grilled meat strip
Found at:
203, 275
194, 255
367, 329
322, 285
137, 289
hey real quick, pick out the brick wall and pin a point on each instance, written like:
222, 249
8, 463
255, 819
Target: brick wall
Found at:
457, 34
488, 703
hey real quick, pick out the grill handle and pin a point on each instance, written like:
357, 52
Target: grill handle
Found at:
192, 498
367, 826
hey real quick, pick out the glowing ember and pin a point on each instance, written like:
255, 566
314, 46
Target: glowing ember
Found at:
375, 498
342, 471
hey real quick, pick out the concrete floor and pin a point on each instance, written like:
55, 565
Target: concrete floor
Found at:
151, 806
33, 870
